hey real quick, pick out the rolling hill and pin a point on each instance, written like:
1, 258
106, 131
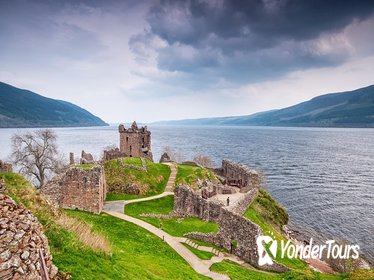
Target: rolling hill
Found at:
23, 108
346, 109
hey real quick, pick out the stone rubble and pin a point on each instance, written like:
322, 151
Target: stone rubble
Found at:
21, 238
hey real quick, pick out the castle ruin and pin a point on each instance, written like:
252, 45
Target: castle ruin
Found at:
239, 176
78, 188
5, 167
135, 142
225, 204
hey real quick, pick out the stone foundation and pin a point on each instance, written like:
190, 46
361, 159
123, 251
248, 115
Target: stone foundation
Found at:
78, 188
21, 239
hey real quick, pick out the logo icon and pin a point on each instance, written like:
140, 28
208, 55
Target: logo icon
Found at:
263, 255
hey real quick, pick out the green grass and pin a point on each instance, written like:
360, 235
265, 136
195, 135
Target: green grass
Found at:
132, 161
262, 211
112, 196
152, 182
238, 272
200, 254
203, 243
173, 226
189, 174
84, 166
135, 253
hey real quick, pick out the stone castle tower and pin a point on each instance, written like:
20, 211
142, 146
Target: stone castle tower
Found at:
134, 141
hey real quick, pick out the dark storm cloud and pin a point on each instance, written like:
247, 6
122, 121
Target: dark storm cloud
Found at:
246, 41
257, 23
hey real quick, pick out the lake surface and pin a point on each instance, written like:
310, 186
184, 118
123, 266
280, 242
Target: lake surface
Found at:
324, 177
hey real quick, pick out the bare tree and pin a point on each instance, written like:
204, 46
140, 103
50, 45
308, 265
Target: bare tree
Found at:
36, 154
203, 160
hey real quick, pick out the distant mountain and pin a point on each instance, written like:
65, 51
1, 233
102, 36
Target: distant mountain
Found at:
23, 108
346, 109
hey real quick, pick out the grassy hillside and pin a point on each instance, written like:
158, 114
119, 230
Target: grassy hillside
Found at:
134, 253
23, 108
345, 109
270, 216
190, 174
152, 182
238, 272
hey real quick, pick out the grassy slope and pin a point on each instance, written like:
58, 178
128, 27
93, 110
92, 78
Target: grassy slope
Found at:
24, 108
265, 212
237, 272
175, 227
201, 254
189, 174
136, 253
270, 216
155, 179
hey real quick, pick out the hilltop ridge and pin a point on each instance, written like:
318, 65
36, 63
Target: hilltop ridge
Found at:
24, 108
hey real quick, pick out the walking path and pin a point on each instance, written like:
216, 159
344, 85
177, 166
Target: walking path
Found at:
197, 264
116, 209
118, 205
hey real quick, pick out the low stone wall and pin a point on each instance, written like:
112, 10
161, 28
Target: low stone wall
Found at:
5, 167
242, 205
232, 227
21, 238
240, 175
78, 188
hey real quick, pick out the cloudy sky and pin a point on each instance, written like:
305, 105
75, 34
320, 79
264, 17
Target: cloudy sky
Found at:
157, 60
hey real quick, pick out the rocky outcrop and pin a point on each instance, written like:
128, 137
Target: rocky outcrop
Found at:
22, 244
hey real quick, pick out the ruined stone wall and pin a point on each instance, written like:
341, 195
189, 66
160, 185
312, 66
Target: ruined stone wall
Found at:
21, 238
242, 205
5, 167
78, 188
240, 175
231, 226
135, 142
113, 154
